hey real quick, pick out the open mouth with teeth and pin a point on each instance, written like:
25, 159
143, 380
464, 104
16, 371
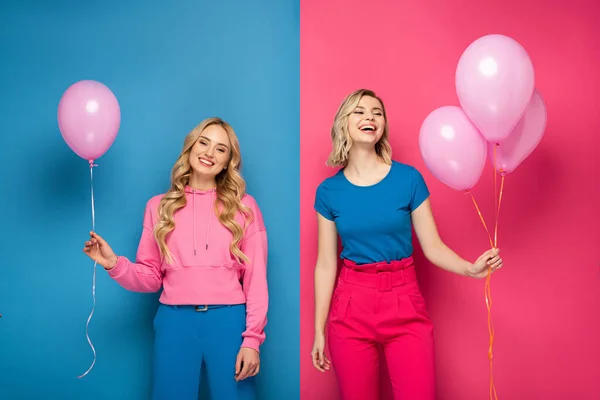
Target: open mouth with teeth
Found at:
206, 162
368, 128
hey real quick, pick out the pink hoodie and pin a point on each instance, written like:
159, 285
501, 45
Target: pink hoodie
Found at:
203, 270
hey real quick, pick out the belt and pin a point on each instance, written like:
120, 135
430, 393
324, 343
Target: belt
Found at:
383, 281
202, 308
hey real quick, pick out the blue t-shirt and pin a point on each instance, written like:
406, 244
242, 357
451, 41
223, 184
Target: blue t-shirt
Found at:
374, 221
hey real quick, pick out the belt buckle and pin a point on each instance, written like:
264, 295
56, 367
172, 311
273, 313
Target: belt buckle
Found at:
202, 308
384, 281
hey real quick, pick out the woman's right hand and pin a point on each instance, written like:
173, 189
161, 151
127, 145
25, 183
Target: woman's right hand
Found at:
319, 360
98, 250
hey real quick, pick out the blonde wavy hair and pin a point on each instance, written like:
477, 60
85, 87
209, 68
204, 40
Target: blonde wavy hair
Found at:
340, 137
231, 187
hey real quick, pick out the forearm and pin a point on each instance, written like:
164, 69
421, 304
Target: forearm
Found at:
257, 305
445, 258
136, 277
324, 283
256, 320
256, 289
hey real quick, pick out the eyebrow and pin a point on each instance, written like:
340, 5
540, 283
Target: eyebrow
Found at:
218, 144
374, 108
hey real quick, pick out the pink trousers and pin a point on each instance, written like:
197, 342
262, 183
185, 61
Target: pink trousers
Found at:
380, 306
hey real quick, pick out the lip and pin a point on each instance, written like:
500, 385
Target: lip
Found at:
206, 162
373, 126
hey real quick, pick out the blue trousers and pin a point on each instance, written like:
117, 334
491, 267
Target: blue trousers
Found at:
188, 338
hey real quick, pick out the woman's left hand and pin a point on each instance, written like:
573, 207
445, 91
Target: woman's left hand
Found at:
247, 363
489, 259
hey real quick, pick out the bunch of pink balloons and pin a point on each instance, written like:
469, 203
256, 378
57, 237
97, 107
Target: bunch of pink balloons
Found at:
89, 118
499, 108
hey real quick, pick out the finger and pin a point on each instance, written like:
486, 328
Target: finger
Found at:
256, 370
253, 370
497, 264
493, 253
485, 257
315, 355
98, 239
245, 370
321, 359
238, 364
316, 362
493, 260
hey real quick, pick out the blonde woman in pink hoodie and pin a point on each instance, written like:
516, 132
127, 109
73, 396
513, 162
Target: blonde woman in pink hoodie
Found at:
205, 244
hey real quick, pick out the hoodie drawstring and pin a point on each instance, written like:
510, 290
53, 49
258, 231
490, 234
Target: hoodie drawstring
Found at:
194, 221
210, 212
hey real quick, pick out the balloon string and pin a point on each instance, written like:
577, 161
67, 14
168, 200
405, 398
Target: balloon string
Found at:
481, 217
87, 324
487, 289
495, 195
488, 302
498, 210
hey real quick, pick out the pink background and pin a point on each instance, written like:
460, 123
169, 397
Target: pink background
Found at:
546, 298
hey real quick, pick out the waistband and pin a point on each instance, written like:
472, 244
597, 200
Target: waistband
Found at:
383, 276
382, 266
200, 308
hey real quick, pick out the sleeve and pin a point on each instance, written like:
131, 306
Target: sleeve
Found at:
254, 281
419, 189
144, 275
322, 205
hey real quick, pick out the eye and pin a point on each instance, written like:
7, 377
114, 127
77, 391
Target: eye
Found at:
202, 142
358, 112
379, 114
221, 150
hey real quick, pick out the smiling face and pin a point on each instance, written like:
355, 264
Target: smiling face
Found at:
211, 153
366, 123
360, 120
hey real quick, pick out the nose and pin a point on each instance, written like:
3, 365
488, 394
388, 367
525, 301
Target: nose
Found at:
369, 116
209, 152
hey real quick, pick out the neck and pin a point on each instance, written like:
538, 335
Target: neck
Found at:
362, 160
202, 183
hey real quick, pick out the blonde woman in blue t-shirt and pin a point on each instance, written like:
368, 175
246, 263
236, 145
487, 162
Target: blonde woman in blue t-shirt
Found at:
373, 203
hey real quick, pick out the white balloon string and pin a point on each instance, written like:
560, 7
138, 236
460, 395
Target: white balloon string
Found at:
87, 335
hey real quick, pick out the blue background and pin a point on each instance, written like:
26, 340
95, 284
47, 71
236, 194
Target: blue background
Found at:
170, 65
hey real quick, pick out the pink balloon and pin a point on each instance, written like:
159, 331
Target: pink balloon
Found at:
524, 138
452, 148
89, 118
494, 83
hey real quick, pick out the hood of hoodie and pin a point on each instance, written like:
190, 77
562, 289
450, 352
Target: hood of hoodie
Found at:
194, 193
